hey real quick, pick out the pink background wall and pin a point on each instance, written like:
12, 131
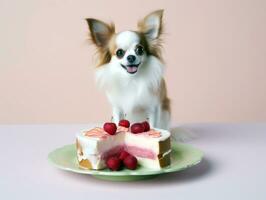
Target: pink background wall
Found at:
214, 50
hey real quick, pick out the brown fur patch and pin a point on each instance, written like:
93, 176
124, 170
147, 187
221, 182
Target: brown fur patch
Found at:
101, 40
112, 45
149, 48
154, 45
142, 23
162, 93
104, 56
165, 101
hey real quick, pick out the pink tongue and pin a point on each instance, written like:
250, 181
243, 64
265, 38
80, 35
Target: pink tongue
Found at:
132, 69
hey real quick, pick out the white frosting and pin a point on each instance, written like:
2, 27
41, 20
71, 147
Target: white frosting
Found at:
93, 145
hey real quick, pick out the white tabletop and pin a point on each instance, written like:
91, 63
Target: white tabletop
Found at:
234, 166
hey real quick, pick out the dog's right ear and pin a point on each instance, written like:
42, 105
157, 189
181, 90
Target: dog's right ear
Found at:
100, 32
151, 25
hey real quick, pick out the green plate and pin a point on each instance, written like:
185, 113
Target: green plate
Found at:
182, 156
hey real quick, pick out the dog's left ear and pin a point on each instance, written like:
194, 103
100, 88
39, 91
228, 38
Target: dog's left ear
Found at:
151, 25
100, 32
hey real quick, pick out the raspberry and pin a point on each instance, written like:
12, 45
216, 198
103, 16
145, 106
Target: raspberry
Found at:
146, 126
130, 162
137, 128
110, 128
123, 155
114, 163
124, 123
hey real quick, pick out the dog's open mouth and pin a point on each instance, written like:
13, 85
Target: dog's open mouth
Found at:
132, 69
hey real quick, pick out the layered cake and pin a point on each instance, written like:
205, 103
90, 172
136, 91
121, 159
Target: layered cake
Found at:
151, 147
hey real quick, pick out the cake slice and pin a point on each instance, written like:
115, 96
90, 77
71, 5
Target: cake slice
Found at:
151, 148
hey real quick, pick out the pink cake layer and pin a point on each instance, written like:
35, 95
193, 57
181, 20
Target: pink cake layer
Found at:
134, 150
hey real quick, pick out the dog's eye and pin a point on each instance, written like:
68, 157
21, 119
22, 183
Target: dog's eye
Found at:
139, 50
120, 53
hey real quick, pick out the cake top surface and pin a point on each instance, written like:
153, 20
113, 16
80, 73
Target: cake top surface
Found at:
98, 133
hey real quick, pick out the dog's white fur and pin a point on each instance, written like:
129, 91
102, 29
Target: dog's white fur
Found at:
134, 96
130, 94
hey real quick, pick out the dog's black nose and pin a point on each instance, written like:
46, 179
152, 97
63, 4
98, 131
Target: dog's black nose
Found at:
131, 58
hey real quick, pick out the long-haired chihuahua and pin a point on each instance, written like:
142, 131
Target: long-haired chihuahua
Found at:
130, 70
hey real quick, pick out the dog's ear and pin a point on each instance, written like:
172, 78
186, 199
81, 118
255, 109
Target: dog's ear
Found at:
151, 25
100, 32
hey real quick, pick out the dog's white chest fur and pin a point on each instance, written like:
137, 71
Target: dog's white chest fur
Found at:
133, 96
134, 99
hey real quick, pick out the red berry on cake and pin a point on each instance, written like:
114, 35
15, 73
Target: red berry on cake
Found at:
123, 155
137, 128
110, 128
130, 162
114, 163
146, 126
124, 123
